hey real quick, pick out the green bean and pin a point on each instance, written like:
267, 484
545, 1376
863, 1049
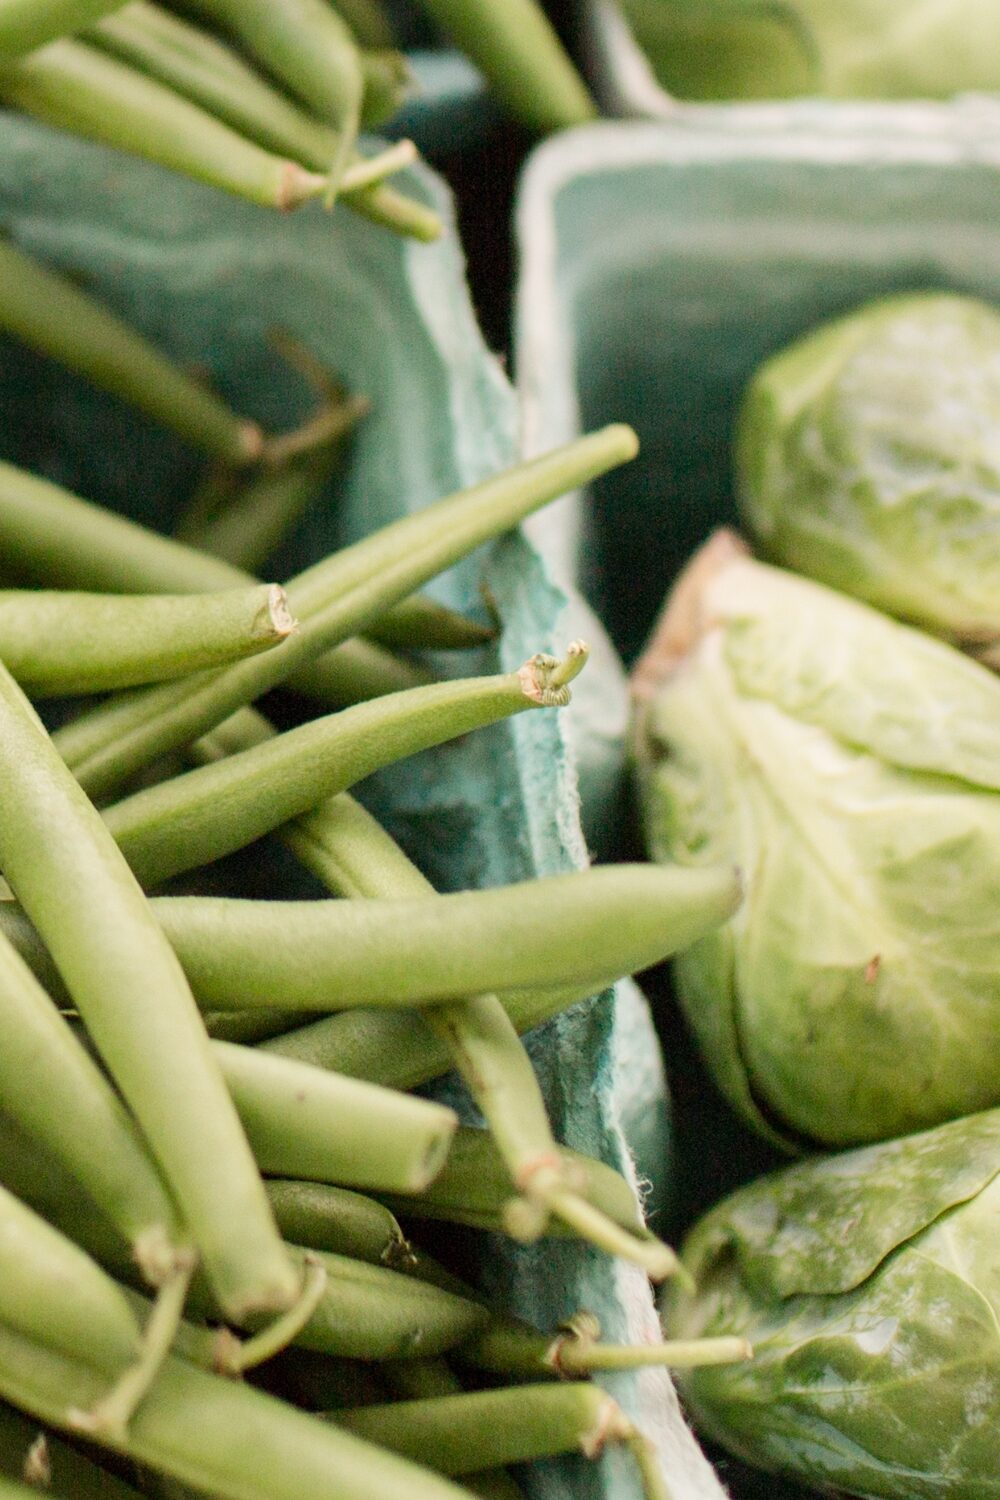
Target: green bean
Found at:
27, 24
210, 74
356, 858
367, 1312
79, 88
222, 1437
371, 1313
398, 212
368, 21
52, 1292
206, 813
77, 889
54, 537
475, 1183
419, 623
58, 642
388, 83
515, 46
586, 927
306, 45
248, 1026
90, 1133
48, 312
307, 1123
484, 1429
323, 1217
52, 1465
332, 600
394, 1048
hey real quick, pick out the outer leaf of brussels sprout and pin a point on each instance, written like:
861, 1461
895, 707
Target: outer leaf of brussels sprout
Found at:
853, 996
868, 456
825, 1225
890, 1389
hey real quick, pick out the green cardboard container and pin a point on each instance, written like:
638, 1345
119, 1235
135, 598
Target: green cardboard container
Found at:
660, 263
207, 276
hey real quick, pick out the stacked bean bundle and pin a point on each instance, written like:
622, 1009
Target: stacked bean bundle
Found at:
135, 1141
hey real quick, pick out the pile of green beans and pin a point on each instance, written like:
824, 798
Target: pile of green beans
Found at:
251, 1190
206, 1124
266, 100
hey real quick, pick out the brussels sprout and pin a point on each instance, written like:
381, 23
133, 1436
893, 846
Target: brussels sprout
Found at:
868, 457
850, 766
765, 49
869, 1287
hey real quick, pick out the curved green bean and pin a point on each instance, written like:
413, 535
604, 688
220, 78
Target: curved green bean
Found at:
197, 1427
27, 24
206, 813
516, 47
56, 642
306, 45
323, 1217
77, 87
332, 600
77, 889
587, 927
46, 311
304, 1122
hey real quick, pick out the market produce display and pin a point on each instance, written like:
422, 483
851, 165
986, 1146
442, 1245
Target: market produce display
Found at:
265, 1143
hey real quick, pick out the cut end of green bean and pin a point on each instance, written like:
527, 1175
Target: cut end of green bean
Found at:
546, 679
283, 622
298, 185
